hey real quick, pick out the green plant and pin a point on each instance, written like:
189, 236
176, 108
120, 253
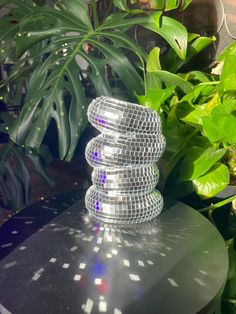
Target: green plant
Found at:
199, 118
60, 57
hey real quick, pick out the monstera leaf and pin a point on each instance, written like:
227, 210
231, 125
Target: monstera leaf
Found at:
61, 54
15, 180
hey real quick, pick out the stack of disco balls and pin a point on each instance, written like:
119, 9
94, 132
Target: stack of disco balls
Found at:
124, 159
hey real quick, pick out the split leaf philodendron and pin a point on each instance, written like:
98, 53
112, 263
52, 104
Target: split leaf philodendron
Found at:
60, 56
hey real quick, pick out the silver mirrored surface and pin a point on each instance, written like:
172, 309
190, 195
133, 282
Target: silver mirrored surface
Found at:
119, 181
124, 158
128, 208
107, 150
112, 115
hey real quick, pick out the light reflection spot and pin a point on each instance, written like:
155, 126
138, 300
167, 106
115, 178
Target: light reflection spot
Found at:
65, 265
36, 277
74, 248
115, 252
141, 263
109, 255
96, 249
99, 240
109, 238
173, 282
82, 266
126, 263
134, 277
97, 281
118, 240
8, 265
88, 306
200, 282
22, 248
6, 245
52, 260
102, 306
77, 277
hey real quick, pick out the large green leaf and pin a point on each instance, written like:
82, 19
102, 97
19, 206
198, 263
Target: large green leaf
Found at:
174, 33
170, 80
220, 128
10, 25
198, 161
55, 90
214, 181
121, 21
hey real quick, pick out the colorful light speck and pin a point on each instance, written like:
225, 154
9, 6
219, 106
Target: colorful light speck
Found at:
103, 178
95, 156
97, 205
100, 121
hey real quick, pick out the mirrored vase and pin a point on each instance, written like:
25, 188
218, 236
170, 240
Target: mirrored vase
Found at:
124, 158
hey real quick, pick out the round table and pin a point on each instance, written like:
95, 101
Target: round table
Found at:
57, 260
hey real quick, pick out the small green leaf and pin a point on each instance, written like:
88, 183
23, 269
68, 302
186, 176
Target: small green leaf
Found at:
229, 67
185, 4
227, 106
153, 60
121, 4
214, 181
229, 50
195, 116
157, 4
198, 161
155, 98
220, 128
228, 83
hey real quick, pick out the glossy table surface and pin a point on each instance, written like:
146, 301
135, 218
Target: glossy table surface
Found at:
56, 259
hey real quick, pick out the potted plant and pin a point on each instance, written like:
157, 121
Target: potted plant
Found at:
59, 57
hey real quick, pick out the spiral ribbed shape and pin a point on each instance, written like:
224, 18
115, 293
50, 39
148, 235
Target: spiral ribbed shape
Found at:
107, 150
124, 158
125, 208
120, 181
110, 115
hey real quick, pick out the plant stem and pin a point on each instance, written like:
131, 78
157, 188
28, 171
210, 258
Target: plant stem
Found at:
217, 205
144, 74
95, 14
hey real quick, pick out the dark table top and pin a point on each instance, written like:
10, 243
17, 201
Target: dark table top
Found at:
56, 259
